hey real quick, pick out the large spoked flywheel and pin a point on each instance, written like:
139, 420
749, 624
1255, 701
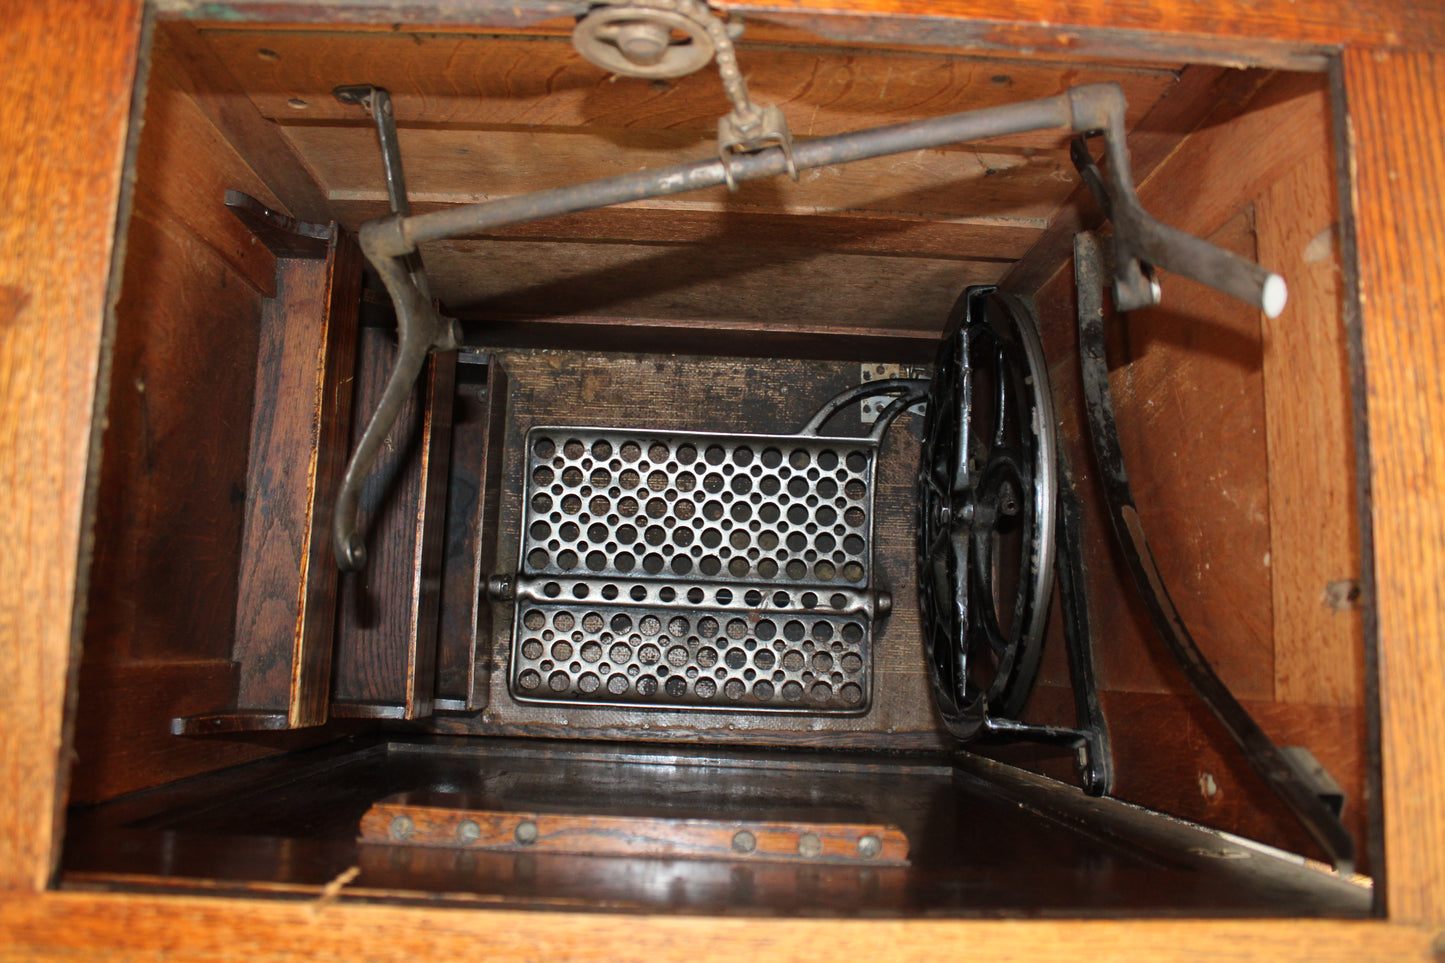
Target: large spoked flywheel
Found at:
986, 487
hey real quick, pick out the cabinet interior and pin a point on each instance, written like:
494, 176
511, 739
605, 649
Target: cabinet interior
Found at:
310, 696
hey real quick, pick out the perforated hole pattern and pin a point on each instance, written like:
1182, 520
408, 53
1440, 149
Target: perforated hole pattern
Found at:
704, 571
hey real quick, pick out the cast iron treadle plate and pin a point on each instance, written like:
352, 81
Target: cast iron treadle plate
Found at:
695, 571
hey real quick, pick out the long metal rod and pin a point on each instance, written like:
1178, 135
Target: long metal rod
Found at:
1042, 114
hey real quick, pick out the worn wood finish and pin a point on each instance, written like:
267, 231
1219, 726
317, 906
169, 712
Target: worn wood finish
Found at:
60, 157
474, 492
1319, 651
209, 930
462, 165
1299, 36
508, 279
727, 339
387, 622
193, 67
1398, 162
479, 81
1171, 755
680, 221
437, 821
286, 602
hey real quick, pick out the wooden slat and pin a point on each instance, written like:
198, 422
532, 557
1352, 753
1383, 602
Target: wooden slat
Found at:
171, 380
1319, 651
1297, 36
1397, 158
210, 930
60, 157
460, 166
678, 221
287, 598
782, 288
437, 822
189, 63
470, 547
487, 81
387, 623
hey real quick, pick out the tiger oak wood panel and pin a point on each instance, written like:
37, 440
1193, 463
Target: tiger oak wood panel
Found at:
286, 601
210, 930
60, 160
1319, 650
1397, 158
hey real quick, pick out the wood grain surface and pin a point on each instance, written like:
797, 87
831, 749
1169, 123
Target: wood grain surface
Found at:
60, 162
403, 821
209, 930
1295, 35
1397, 158
1319, 649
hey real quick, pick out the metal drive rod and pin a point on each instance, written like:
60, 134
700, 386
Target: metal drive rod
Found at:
397, 236
390, 242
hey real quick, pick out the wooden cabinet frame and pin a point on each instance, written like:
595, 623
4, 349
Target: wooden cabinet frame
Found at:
70, 71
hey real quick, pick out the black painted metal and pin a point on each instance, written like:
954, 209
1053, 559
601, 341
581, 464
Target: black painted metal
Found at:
1279, 772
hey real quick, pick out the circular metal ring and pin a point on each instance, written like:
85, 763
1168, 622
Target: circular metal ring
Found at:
640, 41
987, 487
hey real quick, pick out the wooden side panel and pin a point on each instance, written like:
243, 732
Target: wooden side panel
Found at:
173, 477
1397, 159
387, 623
286, 600
1319, 651
60, 161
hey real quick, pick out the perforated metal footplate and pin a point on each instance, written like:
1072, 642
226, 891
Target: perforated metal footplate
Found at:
698, 571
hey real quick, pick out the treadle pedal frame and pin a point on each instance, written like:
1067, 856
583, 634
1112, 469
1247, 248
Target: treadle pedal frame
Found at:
701, 570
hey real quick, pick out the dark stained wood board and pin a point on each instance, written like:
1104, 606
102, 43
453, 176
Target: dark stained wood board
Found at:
682, 393
980, 837
766, 286
187, 325
450, 820
474, 493
386, 633
286, 600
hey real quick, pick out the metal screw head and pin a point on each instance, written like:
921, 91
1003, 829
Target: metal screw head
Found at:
869, 846
526, 833
401, 828
744, 842
643, 42
810, 845
468, 831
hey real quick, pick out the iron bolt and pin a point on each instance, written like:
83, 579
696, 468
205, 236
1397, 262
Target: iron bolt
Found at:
869, 846
401, 828
501, 589
468, 831
526, 833
744, 842
810, 845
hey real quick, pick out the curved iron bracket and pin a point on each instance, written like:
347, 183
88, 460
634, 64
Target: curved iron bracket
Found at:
1282, 772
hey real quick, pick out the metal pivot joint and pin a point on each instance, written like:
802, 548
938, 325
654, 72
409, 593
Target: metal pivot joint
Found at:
638, 38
